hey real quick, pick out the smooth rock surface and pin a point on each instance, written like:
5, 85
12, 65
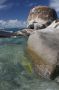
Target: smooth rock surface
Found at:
43, 47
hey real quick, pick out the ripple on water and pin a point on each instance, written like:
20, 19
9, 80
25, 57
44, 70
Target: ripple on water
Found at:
16, 70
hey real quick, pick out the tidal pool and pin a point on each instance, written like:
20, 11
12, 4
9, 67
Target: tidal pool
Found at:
16, 72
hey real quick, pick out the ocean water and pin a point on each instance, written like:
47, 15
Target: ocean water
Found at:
16, 72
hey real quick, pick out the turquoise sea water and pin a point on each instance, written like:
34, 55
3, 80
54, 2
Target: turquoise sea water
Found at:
16, 71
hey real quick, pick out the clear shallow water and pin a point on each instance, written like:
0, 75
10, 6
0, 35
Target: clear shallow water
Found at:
16, 70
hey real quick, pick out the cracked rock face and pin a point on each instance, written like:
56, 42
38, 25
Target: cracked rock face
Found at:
40, 17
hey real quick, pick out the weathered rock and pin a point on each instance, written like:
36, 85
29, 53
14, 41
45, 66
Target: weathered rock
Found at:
40, 17
18, 33
24, 32
27, 32
43, 47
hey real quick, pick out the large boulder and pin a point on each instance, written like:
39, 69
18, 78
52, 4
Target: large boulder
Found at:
43, 48
40, 17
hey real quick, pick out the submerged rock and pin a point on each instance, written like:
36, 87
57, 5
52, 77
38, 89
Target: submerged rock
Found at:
40, 17
43, 47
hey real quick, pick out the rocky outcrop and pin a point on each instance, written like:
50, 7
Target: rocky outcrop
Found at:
43, 48
7, 34
24, 32
27, 32
40, 17
43, 45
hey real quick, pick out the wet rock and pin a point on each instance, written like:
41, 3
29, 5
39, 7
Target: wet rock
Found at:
43, 48
40, 17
